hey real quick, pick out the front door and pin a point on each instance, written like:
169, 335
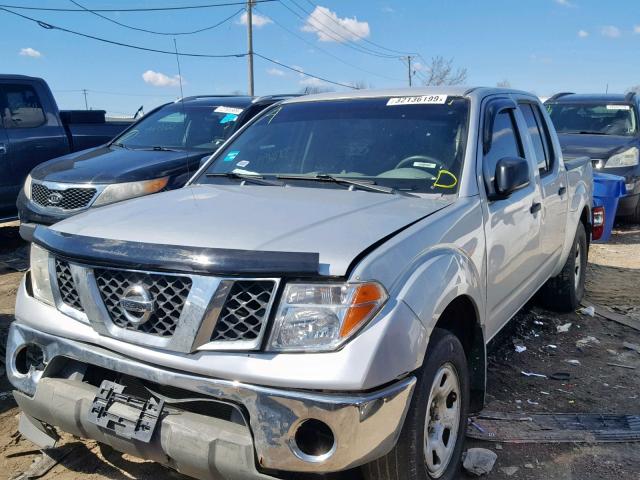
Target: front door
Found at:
512, 227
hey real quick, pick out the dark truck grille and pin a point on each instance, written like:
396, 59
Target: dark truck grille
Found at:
69, 199
169, 293
67, 286
245, 311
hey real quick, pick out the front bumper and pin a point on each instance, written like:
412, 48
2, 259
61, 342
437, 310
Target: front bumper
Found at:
365, 426
31, 214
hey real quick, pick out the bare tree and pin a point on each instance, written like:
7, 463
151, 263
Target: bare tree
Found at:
504, 84
442, 72
309, 90
361, 85
634, 89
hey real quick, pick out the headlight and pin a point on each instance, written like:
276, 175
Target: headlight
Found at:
123, 191
321, 317
40, 282
628, 158
27, 187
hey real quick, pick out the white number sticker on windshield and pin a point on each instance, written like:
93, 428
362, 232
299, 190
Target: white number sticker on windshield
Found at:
618, 107
223, 109
421, 100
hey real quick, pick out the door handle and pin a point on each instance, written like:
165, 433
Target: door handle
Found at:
3, 148
562, 191
536, 207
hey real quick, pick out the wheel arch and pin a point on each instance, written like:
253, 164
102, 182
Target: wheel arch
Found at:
462, 318
446, 291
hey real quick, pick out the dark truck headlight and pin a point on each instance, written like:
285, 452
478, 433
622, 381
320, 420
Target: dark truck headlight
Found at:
627, 158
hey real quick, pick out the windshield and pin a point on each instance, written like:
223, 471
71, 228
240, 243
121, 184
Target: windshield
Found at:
398, 144
593, 118
179, 127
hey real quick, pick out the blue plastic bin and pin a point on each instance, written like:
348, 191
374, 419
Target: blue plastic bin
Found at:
607, 190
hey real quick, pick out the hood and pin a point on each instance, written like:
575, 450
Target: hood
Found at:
336, 223
594, 146
112, 165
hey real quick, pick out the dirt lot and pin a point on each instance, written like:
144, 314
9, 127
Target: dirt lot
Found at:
593, 387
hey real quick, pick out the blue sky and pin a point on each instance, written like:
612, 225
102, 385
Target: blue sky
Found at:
542, 46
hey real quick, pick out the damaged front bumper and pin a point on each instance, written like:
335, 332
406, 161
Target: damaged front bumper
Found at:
355, 428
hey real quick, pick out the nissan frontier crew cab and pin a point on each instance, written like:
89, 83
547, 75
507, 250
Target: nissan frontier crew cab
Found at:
317, 298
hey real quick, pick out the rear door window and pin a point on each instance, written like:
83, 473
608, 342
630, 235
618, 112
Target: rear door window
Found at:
539, 136
21, 107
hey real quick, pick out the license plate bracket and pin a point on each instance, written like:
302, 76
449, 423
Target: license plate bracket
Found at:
125, 415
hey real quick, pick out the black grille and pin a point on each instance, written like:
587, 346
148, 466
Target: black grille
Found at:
67, 286
245, 311
69, 199
169, 293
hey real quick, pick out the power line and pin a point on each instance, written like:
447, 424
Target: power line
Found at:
102, 92
49, 26
337, 37
326, 52
150, 9
173, 34
359, 36
200, 55
302, 72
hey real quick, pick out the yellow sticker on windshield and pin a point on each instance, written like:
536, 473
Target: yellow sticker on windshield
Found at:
453, 180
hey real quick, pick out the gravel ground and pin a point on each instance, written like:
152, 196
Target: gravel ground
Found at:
594, 387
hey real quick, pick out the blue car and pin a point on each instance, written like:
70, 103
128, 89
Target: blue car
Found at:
604, 127
159, 152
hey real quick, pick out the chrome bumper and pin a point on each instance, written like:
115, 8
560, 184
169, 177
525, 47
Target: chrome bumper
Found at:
365, 426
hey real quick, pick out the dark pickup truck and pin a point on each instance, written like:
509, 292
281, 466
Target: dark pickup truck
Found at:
33, 130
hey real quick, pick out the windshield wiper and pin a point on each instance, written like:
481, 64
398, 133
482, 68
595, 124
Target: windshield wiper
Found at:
160, 148
121, 145
257, 179
323, 177
588, 132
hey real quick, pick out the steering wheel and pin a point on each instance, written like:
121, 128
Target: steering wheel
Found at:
409, 162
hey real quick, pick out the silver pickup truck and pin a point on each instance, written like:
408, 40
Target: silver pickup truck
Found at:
317, 298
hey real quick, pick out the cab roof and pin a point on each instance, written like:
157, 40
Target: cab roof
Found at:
453, 91
591, 98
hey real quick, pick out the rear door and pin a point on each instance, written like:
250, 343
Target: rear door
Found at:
32, 127
552, 185
512, 226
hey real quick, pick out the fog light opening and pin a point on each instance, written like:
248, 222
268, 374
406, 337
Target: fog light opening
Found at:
30, 356
314, 441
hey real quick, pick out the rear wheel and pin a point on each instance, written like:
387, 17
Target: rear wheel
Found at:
635, 216
564, 292
430, 445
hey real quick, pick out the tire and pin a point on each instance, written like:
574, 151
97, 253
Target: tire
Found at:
445, 360
564, 292
635, 216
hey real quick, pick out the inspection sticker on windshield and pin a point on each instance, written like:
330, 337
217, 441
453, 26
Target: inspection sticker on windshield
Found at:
223, 109
618, 107
421, 100
231, 156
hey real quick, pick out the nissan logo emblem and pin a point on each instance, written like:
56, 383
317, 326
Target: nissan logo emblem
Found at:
137, 304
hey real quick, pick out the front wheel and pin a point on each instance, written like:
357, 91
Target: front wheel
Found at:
564, 292
431, 441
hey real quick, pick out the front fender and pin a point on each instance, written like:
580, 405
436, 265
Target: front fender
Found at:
435, 279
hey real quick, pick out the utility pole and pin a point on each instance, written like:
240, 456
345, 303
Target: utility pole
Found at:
250, 39
409, 65
86, 104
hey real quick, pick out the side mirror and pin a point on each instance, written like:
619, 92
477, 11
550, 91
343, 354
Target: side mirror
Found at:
512, 173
